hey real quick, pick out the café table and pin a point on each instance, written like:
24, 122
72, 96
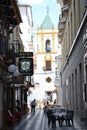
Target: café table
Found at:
58, 116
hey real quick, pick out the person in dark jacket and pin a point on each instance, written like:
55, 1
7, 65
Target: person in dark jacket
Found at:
18, 106
33, 105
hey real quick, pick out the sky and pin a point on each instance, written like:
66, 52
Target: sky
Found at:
39, 10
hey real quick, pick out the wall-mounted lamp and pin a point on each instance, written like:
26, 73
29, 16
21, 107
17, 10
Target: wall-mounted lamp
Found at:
13, 73
16, 73
12, 68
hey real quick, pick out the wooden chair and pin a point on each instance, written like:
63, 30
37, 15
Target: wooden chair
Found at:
11, 120
69, 117
49, 116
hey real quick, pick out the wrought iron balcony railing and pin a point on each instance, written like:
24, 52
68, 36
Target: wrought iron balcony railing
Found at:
60, 35
17, 47
61, 27
47, 68
10, 57
65, 8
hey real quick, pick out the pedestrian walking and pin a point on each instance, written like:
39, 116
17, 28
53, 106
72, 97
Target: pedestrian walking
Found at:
18, 106
33, 105
54, 102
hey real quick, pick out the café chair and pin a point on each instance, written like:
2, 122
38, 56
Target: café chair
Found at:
69, 117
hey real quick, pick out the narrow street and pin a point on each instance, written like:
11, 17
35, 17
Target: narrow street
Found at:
43, 57
38, 121
31, 121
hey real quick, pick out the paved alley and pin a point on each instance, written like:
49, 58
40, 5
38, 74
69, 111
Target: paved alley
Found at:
38, 121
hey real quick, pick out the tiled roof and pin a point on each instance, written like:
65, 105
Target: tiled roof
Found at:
47, 23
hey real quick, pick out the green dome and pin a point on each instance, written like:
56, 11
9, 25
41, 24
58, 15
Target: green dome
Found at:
47, 23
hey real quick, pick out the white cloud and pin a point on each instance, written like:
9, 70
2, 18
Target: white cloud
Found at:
30, 1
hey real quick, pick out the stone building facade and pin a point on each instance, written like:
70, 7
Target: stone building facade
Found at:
72, 34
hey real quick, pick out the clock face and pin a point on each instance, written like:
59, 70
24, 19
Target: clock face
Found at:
25, 65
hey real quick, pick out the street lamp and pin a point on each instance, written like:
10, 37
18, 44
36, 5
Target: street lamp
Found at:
12, 68
10, 78
16, 73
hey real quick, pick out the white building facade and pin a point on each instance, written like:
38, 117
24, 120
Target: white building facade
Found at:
26, 26
44, 60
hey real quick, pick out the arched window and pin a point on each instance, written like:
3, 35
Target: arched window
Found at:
48, 48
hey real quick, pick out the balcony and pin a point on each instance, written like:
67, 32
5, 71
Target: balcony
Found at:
56, 82
59, 40
47, 68
65, 8
62, 18
48, 49
3, 46
60, 35
10, 57
10, 10
16, 47
60, 26
66, 1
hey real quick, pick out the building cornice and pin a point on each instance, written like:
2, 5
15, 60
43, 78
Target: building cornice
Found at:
37, 53
40, 33
80, 27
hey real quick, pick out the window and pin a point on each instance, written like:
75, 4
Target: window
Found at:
76, 86
48, 65
70, 91
3, 45
0, 25
48, 48
48, 79
72, 96
17, 46
81, 88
